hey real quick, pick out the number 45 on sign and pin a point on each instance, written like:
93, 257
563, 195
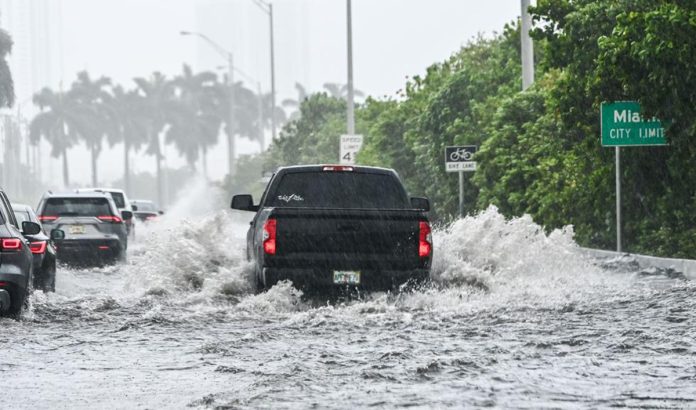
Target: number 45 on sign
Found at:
350, 146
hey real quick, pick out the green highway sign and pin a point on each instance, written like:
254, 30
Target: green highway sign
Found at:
622, 126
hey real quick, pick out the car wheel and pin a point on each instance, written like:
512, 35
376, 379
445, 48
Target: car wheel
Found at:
50, 284
17, 303
260, 287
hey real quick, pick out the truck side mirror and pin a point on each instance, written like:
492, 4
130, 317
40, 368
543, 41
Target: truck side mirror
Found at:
134, 207
422, 204
126, 215
244, 203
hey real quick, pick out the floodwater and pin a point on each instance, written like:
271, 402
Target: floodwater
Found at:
516, 318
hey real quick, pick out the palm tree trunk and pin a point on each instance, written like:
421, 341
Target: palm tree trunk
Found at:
66, 178
204, 159
94, 165
126, 166
158, 161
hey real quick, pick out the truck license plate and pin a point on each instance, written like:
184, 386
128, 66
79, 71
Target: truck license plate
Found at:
346, 278
77, 229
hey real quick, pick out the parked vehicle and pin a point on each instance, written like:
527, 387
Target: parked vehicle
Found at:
122, 202
16, 260
328, 226
95, 232
43, 249
146, 210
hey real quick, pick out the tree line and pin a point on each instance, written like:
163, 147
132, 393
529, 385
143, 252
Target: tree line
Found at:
539, 150
188, 111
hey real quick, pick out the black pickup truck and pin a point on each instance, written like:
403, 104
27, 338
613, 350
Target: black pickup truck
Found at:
329, 226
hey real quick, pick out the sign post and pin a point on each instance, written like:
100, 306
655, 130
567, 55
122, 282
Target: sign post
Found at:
350, 145
460, 159
623, 126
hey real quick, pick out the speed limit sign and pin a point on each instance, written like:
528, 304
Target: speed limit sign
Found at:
350, 145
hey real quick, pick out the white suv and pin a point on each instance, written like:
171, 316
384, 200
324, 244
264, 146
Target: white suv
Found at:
122, 202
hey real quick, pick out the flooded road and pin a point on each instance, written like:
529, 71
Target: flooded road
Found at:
515, 318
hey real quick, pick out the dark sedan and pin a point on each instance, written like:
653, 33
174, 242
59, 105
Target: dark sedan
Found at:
145, 211
42, 248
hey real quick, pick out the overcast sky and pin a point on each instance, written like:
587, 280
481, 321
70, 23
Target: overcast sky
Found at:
392, 39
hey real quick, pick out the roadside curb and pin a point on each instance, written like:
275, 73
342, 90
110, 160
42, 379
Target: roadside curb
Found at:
685, 266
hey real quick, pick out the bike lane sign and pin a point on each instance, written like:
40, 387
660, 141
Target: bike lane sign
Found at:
460, 158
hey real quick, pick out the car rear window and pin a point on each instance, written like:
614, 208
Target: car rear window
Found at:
77, 207
339, 190
118, 199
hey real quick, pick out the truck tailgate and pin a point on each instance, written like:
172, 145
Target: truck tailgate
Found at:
348, 239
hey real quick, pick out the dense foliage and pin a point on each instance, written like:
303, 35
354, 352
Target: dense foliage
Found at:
540, 149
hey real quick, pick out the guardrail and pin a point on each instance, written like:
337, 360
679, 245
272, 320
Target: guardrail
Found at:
685, 266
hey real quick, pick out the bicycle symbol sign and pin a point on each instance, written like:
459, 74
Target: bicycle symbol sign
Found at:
460, 158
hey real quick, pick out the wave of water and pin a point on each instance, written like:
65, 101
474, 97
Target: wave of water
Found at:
194, 256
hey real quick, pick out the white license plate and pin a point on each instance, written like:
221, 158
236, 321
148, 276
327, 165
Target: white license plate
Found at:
346, 277
77, 229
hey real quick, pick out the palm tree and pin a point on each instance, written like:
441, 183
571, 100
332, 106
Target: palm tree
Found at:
159, 103
7, 94
295, 104
90, 97
340, 91
269, 111
246, 112
57, 123
126, 125
197, 126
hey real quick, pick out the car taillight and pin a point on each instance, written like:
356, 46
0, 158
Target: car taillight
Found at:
110, 218
38, 247
269, 237
425, 244
45, 218
151, 217
10, 244
337, 168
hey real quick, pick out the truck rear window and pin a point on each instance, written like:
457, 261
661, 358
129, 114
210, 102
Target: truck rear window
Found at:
339, 190
77, 207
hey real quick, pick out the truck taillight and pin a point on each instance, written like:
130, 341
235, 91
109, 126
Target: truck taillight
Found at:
269, 237
425, 239
38, 247
10, 244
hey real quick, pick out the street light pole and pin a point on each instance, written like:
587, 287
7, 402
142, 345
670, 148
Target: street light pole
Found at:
273, 87
351, 104
268, 9
230, 134
527, 47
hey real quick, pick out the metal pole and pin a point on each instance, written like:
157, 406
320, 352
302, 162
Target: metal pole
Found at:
618, 199
351, 107
461, 194
230, 134
273, 86
527, 47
